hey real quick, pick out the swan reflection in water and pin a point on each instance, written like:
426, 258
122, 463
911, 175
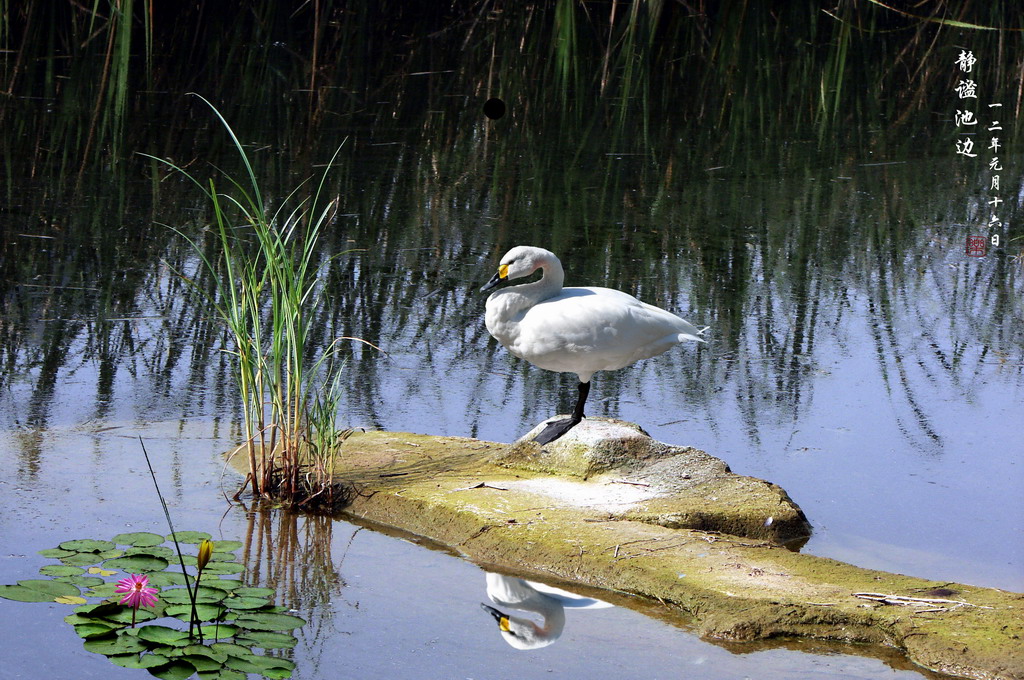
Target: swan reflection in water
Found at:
547, 602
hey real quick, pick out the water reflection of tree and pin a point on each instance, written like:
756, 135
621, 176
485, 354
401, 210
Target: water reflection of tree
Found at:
726, 209
294, 554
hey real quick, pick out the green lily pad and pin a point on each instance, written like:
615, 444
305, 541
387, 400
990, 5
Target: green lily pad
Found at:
207, 651
38, 590
222, 674
98, 610
266, 639
189, 536
87, 545
125, 615
162, 635
61, 570
218, 631
94, 629
104, 589
115, 644
79, 559
176, 669
205, 612
155, 551
227, 546
253, 592
244, 664
138, 538
151, 660
137, 564
81, 581
201, 663
231, 649
223, 568
167, 578
268, 621
247, 602
224, 584
56, 553
23, 594
180, 595
268, 666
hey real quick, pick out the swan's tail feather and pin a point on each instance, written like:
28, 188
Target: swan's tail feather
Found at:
694, 334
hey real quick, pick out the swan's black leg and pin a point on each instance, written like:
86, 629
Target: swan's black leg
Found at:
556, 429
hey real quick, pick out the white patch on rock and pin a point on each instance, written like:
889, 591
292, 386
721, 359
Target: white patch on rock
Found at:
607, 496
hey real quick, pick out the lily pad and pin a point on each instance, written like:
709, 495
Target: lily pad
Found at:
80, 559
38, 590
94, 629
227, 546
162, 635
81, 581
139, 538
154, 550
267, 666
125, 615
87, 545
101, 571
207, 651
137, 564
224, 584
61, 570
103, 589
254, 592
189, 536
180, 595
167, 578
223, 568
231, 649
222, 674
247, 602
218, 631
201, 663
266, 639
176, 669
268, 621
69, 599
98, 610
205, 612
116, 644
56, 553
135, 661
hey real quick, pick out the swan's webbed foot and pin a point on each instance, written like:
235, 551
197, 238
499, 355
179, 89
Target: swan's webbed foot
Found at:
553, 431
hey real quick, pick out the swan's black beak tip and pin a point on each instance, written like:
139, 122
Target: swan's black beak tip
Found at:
502, 619
495, 280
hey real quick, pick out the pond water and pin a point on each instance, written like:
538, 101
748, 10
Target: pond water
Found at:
856, 355
377, 605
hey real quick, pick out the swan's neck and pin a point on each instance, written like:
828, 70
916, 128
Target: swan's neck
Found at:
508, 302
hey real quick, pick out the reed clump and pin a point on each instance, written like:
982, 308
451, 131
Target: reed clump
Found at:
262, 280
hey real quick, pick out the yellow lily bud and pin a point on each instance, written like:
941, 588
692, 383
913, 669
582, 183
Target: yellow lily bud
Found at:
205, 550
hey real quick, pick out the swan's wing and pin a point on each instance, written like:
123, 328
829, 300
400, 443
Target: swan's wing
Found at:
590, 329
569, 600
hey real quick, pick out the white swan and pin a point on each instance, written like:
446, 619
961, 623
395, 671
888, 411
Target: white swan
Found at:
547, 601
575, 330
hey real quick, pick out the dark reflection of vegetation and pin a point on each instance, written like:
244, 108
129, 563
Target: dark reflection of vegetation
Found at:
711, 157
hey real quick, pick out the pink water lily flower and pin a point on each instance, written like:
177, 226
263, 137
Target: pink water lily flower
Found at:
137, 591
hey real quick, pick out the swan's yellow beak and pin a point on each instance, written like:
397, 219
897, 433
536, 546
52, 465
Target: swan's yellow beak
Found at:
502, 275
